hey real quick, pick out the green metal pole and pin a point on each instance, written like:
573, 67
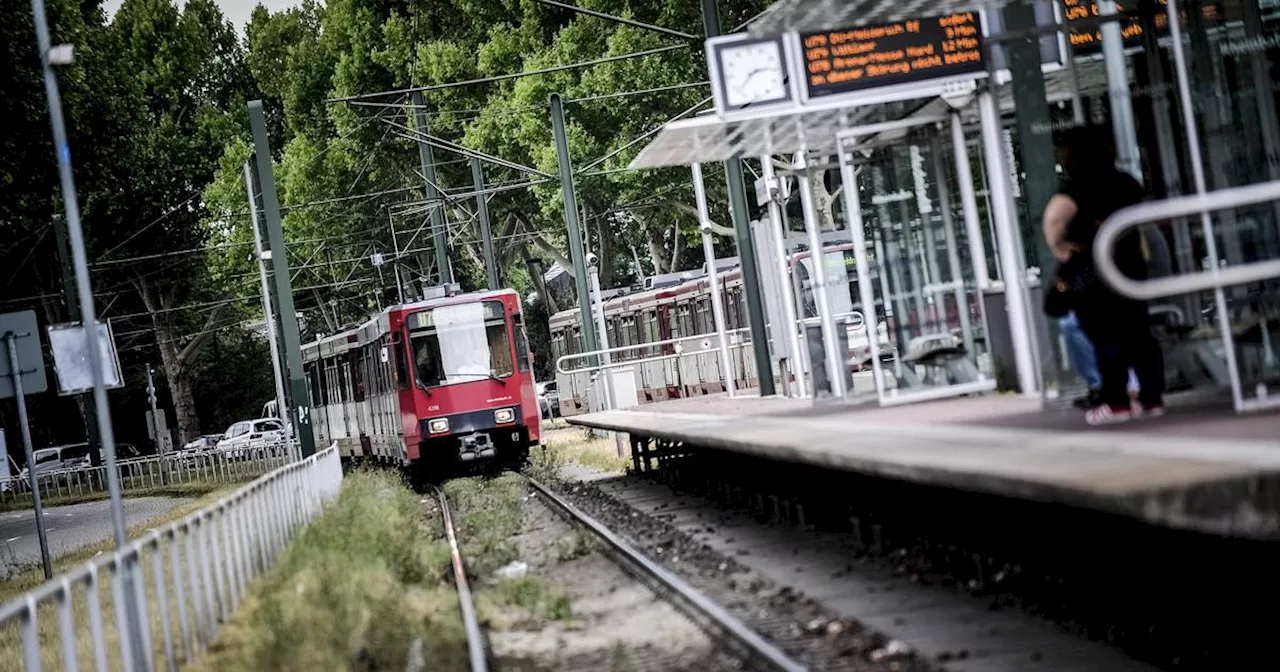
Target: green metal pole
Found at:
746, 244
286, 315
439, 234
576, 254
482, 215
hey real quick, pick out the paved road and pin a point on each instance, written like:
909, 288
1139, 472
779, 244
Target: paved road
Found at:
69, 528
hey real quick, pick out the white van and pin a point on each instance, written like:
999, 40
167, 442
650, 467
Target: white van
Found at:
250, 438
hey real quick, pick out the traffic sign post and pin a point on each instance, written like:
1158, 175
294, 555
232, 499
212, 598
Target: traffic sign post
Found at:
25, 364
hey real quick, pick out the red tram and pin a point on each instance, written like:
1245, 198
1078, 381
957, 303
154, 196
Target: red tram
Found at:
428, 385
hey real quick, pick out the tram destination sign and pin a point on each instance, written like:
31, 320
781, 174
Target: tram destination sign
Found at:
849, 60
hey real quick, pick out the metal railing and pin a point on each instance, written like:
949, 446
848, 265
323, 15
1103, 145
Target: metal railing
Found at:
1215, 277
188, 577
211, 467
703, 342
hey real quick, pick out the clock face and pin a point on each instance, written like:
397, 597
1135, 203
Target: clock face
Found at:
753, 73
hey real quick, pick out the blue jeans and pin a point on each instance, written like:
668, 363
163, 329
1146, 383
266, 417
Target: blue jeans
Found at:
1080, 351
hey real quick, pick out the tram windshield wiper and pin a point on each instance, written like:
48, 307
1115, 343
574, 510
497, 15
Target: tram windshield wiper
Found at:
422, 386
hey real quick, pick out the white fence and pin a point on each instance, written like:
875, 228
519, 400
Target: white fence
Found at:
213, 467
179, 581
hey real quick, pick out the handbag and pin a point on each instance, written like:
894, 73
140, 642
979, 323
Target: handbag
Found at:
1070, 279
1058, 298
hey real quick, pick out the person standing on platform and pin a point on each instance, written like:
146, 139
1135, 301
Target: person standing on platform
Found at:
1119, 327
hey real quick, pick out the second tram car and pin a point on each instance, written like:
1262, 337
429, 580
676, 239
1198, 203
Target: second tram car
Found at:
680, 308
428, 385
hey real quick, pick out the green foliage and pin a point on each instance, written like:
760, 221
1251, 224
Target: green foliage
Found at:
356, 591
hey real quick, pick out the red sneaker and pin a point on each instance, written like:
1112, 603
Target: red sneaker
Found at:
1108, 415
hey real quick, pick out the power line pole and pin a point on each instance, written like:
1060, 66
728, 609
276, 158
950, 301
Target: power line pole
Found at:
286, 314
576, 253
482, 215
746, 244
426, 156
269, 315
130, 574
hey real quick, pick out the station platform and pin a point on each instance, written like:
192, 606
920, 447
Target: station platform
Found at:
1202, 469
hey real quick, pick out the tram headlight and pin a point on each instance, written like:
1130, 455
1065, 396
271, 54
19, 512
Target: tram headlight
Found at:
438, 426
504, 416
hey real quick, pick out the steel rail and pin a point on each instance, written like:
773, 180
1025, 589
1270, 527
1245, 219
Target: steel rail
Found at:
475, 638
746, 639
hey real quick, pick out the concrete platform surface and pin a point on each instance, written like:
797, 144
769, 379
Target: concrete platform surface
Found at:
1194, 469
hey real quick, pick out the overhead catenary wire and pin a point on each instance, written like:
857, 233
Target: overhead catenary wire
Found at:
515, 75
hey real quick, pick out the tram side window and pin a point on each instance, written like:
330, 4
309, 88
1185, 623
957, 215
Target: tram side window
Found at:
522, 343
316, 380
704, 316
397, 353
633, 333
557, 347
685, 320
357, 374
651, 326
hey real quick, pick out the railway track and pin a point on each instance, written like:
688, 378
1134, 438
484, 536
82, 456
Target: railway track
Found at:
746, 643
740, 643
476, 650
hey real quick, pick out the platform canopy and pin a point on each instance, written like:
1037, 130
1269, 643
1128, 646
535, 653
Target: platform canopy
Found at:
708, 138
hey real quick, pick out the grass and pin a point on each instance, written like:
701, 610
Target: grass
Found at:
576, 445
362, 588
488, 516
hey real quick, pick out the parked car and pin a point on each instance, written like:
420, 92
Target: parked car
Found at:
251, 438
58, 458
548, 399
191, 452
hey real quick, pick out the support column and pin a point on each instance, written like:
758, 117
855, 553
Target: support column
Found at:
746, 247
286, 314
439, 227
832, 359
713, 279
1016, 300
857, 231
777, 223
576, 253
482, 216
1126, 134
267, 313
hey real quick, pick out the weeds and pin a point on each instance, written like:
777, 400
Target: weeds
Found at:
489, 515
353, 592
574, 546
576, 445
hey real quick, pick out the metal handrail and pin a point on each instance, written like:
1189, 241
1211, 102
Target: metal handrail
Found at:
675, 342
203, 565
151, 471
1183, 206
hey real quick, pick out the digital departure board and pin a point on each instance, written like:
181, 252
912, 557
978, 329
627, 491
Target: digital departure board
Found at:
911, 50
1087, 40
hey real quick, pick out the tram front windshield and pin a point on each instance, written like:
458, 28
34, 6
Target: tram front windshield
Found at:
461, 343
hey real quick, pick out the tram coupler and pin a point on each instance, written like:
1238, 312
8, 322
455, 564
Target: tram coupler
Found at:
475, 446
